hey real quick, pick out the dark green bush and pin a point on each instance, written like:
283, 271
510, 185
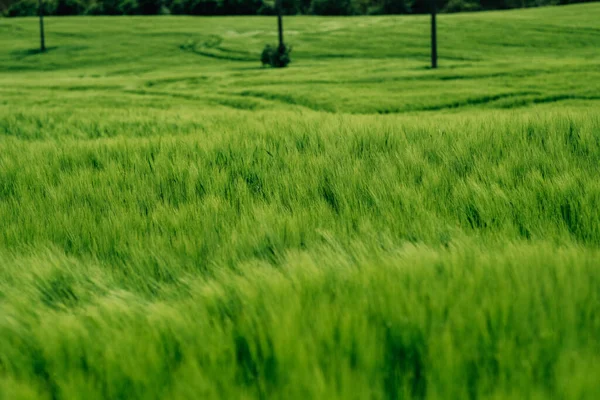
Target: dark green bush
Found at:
288, 7
3, 7
332, 7
95, 8
24, 8
391, 6
70, 7
129, 7
150, 7
276, 57
461, 5
239, 7
113, 7
194, 7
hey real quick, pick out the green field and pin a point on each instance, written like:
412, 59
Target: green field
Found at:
177, 222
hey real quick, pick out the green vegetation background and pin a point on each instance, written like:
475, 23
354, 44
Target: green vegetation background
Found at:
177, 222
23, 8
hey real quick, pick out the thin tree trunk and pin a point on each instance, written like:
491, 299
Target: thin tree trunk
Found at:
433, 35
42, 39
280, 26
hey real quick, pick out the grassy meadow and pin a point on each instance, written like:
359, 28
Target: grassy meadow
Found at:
177, 222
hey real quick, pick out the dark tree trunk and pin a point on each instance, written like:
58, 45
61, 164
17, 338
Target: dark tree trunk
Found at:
280, 27
42, 39
433, 35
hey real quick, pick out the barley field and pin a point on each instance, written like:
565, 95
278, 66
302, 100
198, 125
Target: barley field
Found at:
177, 222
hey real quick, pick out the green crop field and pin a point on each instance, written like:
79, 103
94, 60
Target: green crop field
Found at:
177, 222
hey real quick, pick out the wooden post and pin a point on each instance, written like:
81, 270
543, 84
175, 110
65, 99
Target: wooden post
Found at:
41, 13
433, 35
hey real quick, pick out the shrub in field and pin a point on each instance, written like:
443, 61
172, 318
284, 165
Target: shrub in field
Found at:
275, 57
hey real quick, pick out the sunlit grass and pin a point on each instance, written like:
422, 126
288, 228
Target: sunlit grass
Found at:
174, 225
